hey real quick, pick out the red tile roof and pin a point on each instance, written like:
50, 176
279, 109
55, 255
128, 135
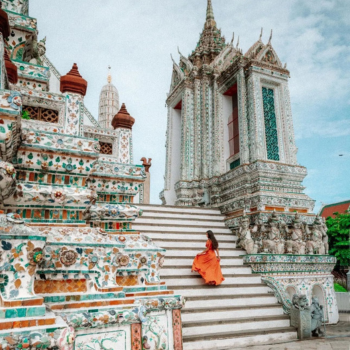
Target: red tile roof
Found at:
339, 207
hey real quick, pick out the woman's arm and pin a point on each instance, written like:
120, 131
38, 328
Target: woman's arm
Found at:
204, 252
217, 254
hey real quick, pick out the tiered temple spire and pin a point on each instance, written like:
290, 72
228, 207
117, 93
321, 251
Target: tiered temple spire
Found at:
210, 12
210, 43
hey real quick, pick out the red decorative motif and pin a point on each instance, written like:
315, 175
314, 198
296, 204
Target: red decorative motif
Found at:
136, 342
4, 23
11, 69
177, 329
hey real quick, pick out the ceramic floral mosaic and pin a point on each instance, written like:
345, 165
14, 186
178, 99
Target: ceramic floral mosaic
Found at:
73, 272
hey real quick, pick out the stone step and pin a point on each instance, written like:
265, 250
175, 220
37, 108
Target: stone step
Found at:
197, 280
226, 270
175, 209
190, 252
188, 237
205, 327
181, 215
219, 301
242, 310
187, 261
230, 340
217, 314
145, 228
229, 289
179, 222
188, 244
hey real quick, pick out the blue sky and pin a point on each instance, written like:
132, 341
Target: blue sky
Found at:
136, 38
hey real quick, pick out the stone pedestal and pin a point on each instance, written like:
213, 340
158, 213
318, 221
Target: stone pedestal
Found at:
301, 319
289, 274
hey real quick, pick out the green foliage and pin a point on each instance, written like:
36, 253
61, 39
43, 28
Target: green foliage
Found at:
338, 288
26, 115
339, 237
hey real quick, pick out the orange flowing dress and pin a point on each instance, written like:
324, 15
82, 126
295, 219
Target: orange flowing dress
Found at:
208, 266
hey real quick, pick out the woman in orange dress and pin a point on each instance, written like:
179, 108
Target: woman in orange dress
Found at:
207, 263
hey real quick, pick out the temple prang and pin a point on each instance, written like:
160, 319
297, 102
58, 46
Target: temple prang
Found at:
230, 145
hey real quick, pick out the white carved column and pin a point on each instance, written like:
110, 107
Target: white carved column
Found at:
205, 126
188, 127
168, 155
218, 154
242, 115
197, 129
256, 119
290, 139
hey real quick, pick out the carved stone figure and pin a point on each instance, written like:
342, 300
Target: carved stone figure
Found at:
245, 237
7, 180
275, 243
315, 245
300, 316
324, 235
35, 50
296, 245
300, 302
317, 317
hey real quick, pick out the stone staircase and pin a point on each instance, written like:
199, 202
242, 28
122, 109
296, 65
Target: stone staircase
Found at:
242, 311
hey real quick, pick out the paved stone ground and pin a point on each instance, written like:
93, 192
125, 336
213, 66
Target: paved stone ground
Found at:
337, 338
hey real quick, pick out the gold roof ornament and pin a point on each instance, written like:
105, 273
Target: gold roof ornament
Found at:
109, 77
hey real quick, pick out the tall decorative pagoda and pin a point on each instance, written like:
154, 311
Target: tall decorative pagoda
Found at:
74, 273
230, 139
230, 145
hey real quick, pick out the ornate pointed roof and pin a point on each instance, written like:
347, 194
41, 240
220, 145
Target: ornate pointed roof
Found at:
73, 82
123, 119
210, 42
264, 53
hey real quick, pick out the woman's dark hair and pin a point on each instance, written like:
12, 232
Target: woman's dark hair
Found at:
213, 239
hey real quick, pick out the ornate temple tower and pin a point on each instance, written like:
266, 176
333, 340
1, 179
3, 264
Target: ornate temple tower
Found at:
230, 139
109, 103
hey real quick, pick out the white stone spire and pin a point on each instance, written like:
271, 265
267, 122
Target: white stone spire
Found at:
109, 103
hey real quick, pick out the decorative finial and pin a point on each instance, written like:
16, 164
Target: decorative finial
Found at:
270, 37
261, 33
109, 78
210, 12
237, 42
180, 52
233, 38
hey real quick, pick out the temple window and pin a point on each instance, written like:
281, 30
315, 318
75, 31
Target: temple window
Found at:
106, 148
41, 114
270, 124
235, 163
233, 126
